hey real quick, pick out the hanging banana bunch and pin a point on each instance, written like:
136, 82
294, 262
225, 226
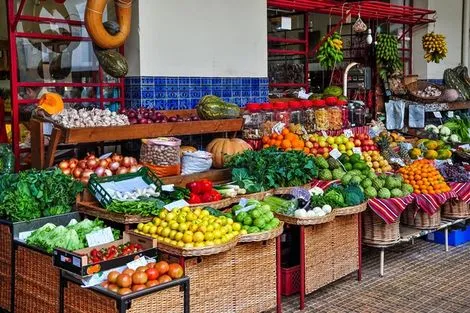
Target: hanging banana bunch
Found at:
435, 47
387, 55
331, 52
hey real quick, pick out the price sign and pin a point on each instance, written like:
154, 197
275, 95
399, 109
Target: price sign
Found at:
278, 128
357, 150
335, 154
137, 263
176, 205
100, 237
348, 133
438, 114
450, 114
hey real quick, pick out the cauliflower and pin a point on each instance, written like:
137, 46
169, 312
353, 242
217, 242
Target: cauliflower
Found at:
454, 138
432, 129
444, 131
317, 191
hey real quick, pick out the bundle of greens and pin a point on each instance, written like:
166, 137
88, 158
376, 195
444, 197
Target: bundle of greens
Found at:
71, 237
142, 207
338, 196
269, 168
460, 129
33, 194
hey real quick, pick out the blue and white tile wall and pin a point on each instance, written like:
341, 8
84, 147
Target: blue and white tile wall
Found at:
173, 93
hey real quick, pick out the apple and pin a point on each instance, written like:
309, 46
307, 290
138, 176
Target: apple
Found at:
314, 151
316, 145
357, 143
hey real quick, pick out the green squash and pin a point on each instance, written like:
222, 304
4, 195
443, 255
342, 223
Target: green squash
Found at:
213, 108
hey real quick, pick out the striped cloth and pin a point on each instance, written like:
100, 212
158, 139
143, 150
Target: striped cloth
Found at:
356, 131
462, 190
390, 209
432, 203
323, 184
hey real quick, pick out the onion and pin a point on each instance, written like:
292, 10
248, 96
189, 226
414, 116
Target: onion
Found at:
91, 164
122, 170
122, 111
90, 156
143, 121
133, 169
72, 166
77, 173
84, 180
82, 164
63, 165
109, 160
103, 163
149, 121
114, 166
107, 172
86, 173
146, 115
133, 120
133, 161
116, 158
131, 114
99, 171
126, 162
66, 171
73, 161
172, 119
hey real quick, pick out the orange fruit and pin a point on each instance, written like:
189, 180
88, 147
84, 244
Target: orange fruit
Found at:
307, 150
286, 144
285, 131
279, 137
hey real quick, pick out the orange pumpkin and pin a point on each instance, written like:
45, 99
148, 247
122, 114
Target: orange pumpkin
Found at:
224, 148
51, 102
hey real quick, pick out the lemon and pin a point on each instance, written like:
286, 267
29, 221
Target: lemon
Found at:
349, 152
236, 226
209, 243
183, 227
210, 228
186, 209
202, 229
160, 238
181, 219
330, 140
166, 232
172, 234
174, 243
170, 216
163, 214
178, 236
338, 140
140, 226
154, 236
194, 227
164, 224
197, 211
222, 220
209, 236
205, 213
342, 148
334, 146
153, 230
199, 245
243, 232
224, 239
198, 237
217, 241
222, 230
174, 225
159, 230
187, 237
191, 216
229, 221
235, 233
176, 211
180, 244
167, 240
146, 229
349, 145
217, 234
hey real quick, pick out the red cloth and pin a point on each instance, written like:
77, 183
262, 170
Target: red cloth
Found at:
355, 130
323, 184
462, 190
390, 209
432, 203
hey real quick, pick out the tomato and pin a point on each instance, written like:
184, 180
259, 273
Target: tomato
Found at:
175, 271
113, 287
124, 291
139, 278
151, 265
138, 287
164, 279
105, 284
112, 277
124, 281
152, 273
152, 283
128, 271
162, 267
142, 268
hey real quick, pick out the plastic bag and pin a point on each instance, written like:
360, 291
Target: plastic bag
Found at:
395, 113
416, 116
7, 159
196, 162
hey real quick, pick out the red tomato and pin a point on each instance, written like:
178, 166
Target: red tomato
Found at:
139, 278
164, 279
175, 271
162, 267
112, 277
113, 287
152, 273
152, 283
138, 287
124, 291
124, 281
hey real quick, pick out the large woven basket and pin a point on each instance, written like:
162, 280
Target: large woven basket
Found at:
414, 87
345, 245
5, 267
306, 221
255, 293
36, 282
191, 252
454, 208
351, 209
376, 232
417, 218
81, 300
263, 236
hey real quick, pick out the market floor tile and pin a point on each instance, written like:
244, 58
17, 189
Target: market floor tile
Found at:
419, 278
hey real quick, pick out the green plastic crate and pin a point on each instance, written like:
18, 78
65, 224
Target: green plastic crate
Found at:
104, 198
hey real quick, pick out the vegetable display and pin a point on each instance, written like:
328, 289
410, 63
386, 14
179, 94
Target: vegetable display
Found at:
71, 237
143, 277
222, 149
112, 252
454, 173
424, 177
266, 169
72, 118
255, 217
151, 116
33, 194
202, 191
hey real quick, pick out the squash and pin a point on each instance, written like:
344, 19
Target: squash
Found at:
224, 148
112, 62
94, 24
51, 102
213, 108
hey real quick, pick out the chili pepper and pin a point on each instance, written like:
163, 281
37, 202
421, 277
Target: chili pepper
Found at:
94, 253
194, 198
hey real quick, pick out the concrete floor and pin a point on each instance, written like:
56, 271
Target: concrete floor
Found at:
418, 278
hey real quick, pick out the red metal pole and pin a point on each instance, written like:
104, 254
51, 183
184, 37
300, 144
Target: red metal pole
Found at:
359, 234
18, 14
302, 267
306, 33
278, 275
15, 121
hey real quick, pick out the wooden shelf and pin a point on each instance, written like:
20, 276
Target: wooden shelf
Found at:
215, 175
451, 106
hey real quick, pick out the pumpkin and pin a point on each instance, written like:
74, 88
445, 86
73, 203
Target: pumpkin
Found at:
94, 23
51, 102
223, 148
187, 149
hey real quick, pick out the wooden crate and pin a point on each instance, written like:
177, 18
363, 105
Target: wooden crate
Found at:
255, 272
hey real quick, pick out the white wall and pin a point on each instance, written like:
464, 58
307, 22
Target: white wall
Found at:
203, 38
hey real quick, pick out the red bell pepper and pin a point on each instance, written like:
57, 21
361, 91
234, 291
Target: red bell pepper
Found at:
205, 185
192, 186
211, 196
194, 198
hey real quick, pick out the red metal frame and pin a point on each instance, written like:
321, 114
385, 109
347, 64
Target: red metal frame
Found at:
13, 19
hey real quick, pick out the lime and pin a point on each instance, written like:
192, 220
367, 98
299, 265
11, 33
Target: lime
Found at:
178, 236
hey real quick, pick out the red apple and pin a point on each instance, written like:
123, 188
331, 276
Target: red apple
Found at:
357, 143
314, 151
316, 145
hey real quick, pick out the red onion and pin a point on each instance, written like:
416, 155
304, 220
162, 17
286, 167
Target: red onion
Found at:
73, 161
86, 173
99, 171
91, 164
107, 172
116, 158
142, 121
172, 119
82, 164
114, 166
66, 171
90, 156
131, 114
133, 169
63, 165
146, 115
72, 166
126, 162
109, 160
133, 161
122, 170
122, 111
77, 173
103, 163
84, 180
133, 120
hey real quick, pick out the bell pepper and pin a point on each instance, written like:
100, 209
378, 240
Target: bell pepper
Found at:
211, 196
194, 198
205, 185
192, 186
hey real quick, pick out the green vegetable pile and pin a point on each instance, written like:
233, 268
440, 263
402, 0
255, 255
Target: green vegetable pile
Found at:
262, 170
7, 159
339, 196
260, 218
71, 237
33, 194
459, 126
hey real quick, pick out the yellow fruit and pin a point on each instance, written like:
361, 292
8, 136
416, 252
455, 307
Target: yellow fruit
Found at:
179, 236
172, 234
173, 243
349, 145
342, 147
199, 245
198, 237
170, 216
163, 214
217, 242
167, 240
187, 237
415, 153
188, 245
174, 225
217, 234
209, 243
236, 226
180, 244
146, 229
153, 230
156, 221
431, 145
164, 224
349, 152
308, 144
431, 155
140, 226
243, 232
166, 232
330, 140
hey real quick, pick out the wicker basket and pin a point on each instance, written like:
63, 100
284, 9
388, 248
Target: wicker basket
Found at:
191, 252
255, 293
222, 204
414, 87
454, 208
81, 300
345, 245
306, 221
262, 236
5, 267
413, 216
319, 256
376, 232
95, 209
351, 209
37, 282
286, 190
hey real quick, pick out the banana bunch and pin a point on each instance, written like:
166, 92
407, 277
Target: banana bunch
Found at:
387, 53
435, 47
331, 52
